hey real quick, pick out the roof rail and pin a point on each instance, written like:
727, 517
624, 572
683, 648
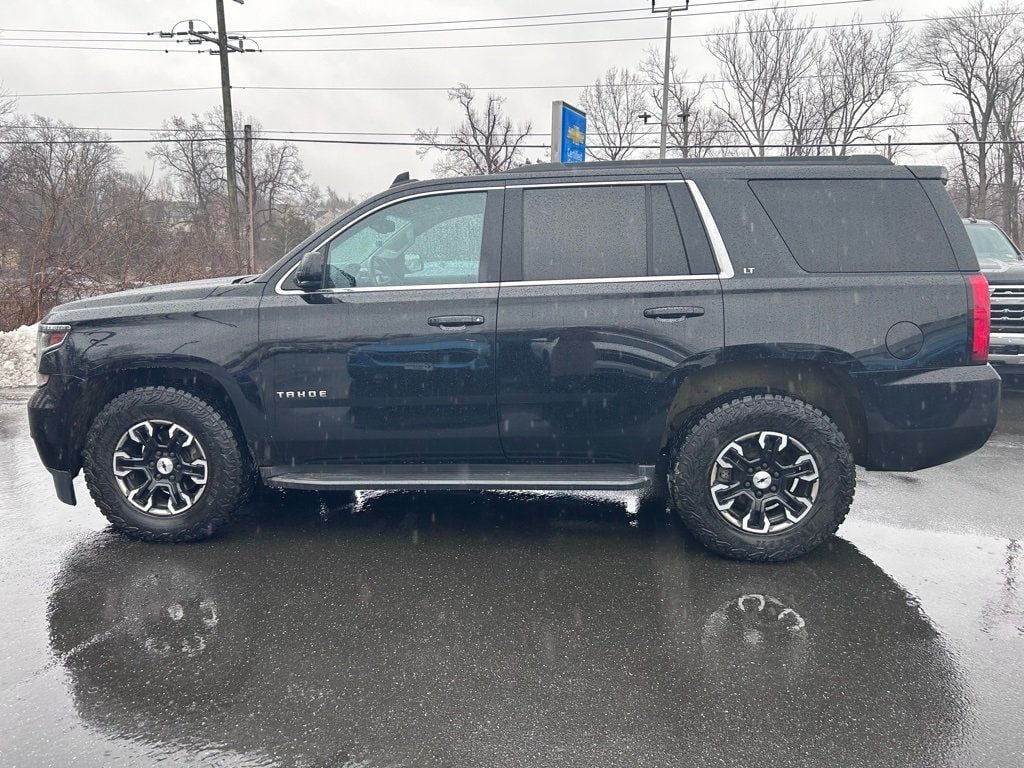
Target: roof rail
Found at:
682, 161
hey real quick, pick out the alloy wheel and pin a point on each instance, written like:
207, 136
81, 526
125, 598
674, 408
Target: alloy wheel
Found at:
764, 482
160, 467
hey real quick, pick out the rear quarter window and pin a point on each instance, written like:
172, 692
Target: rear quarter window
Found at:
857, 225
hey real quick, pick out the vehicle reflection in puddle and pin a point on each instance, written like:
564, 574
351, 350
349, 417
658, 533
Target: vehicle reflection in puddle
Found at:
489, 629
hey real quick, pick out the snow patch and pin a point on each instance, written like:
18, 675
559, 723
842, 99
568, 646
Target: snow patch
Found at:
18, 357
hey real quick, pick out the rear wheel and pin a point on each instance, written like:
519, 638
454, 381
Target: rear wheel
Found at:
762, 477
164, 465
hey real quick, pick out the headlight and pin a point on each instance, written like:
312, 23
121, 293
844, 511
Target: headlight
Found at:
50, 337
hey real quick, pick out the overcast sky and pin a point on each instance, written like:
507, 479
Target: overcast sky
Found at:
359, 170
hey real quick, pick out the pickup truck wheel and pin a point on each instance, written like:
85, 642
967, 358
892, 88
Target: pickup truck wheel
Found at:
762, 477
164, 465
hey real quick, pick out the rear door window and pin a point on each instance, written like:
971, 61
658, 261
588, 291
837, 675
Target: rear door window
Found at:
857, 225
572, 233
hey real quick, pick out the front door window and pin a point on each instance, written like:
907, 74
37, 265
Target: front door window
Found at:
432, 240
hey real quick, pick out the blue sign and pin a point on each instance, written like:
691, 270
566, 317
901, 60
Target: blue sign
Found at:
568, 133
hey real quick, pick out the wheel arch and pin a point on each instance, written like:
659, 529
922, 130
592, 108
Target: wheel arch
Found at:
826, 386
213, 386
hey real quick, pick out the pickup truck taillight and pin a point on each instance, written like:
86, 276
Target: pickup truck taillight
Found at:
981, 317
50, 337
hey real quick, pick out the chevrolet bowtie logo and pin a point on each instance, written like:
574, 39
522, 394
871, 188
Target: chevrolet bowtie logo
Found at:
575, 135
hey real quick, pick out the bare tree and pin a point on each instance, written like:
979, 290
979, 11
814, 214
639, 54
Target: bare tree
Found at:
763, 59
613, 105
189, 153
195, 162
65, 205
974, 49
486, 141
1008, 111
863, 90
694, 128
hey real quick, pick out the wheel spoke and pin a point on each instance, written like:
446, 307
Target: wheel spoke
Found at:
124, 464
803, 468
732, 458
142, 497
796, 507
756, 520
178, 500
725, 495
195, 470
179, 437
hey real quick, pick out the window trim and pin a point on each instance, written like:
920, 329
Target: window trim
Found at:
718, 248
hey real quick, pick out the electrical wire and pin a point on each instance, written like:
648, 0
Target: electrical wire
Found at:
504, 27
294, 132
368, 142
538, 43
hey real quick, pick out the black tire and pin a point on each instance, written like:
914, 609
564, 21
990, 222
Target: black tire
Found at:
228, 475
695, 454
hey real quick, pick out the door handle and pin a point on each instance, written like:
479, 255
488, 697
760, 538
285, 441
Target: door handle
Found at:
669, 314
455, 321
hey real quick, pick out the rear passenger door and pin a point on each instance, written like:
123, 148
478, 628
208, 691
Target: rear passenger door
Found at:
609, 296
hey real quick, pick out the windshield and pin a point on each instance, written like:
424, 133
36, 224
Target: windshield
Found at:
994, 249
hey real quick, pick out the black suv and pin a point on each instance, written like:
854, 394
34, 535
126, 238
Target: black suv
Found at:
734, 335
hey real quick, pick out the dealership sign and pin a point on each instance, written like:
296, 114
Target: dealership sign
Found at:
568, 133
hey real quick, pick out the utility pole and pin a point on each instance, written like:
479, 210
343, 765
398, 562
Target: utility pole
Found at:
223, 44
249, 186
686, 133
229, 124
668, 67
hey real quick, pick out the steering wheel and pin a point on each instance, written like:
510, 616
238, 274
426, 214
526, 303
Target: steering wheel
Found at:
384, 268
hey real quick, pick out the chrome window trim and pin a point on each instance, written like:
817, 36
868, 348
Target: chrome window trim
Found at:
609, 183
718, 248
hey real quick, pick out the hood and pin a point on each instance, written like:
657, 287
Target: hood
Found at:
145, 300
1004, 274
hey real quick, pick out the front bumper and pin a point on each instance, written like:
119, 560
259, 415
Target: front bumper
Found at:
1006, 349
920, 419
50, 426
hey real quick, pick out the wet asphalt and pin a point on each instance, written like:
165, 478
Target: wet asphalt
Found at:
515, 630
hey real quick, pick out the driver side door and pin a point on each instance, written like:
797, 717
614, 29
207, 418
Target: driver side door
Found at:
392, 359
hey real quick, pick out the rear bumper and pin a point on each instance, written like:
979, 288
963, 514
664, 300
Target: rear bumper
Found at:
50, 427
926, 418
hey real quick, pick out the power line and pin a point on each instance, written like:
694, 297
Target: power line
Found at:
367, 26
118, 92
538, 43
503, 27
401, 88
171, 132
648, 17
368, 142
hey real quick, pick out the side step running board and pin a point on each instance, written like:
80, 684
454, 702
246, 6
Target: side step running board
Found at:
544, 477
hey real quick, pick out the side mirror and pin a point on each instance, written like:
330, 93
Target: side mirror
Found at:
310, 274
413, 263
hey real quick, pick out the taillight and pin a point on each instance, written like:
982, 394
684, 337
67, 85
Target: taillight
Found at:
981, 310
50, 337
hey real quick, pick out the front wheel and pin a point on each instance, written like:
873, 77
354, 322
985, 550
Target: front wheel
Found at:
164, 465
763, 477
